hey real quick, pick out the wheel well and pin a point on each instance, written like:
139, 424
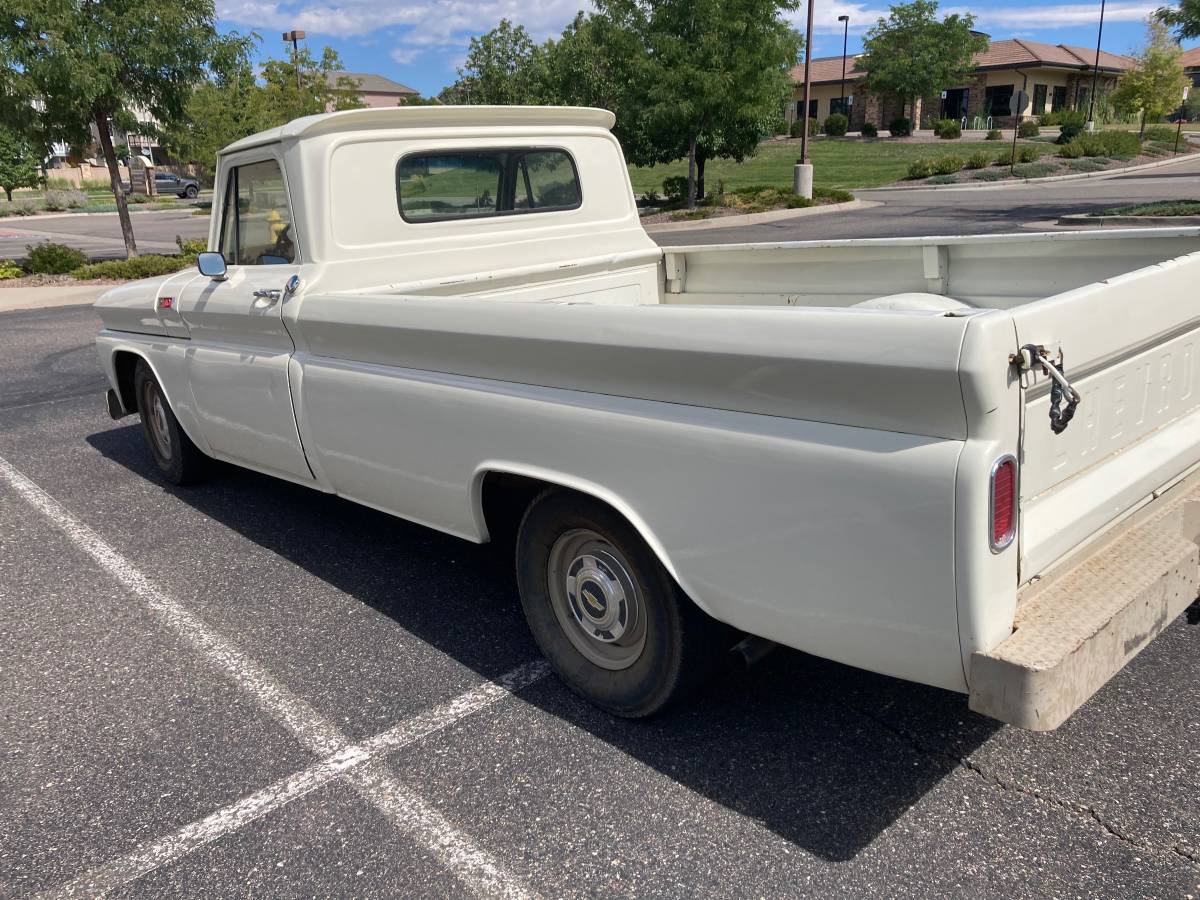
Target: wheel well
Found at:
124, 364
504, 498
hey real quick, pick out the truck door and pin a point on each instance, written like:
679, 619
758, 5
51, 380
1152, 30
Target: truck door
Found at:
237, 361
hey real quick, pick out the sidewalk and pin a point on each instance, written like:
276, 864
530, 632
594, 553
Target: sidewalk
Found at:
45, 296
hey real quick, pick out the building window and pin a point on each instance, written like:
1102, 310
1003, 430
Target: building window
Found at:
1058, 99
1039, 99
996, 99
1196, 80
839, 105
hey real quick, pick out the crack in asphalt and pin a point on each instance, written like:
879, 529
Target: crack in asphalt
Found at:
1188, 856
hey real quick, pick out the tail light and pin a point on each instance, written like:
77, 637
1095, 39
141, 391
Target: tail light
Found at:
1002, 502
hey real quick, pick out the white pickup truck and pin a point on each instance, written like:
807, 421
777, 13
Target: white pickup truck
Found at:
869, 450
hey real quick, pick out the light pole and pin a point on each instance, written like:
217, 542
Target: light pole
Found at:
845, 20
802, 174
295, 37
1096, 70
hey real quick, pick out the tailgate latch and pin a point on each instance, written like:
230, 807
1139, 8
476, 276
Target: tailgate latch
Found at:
1035, 356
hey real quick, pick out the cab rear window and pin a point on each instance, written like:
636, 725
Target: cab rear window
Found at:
472, 184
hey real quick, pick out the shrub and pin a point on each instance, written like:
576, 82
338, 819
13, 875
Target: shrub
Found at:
23, 207
1004, 158
780, 127
989, 175
920, 168
948, 165
943, 179
1050, 119
868, 130
814, 127
1070, 124
9, 269
993, 135
947, 129
1071, 150
796, 128
1160, 133
59, 200
60, 184
1028, 154
836, 124
980, 159
54, 259
900, 127
195, 246
138, 267
1093, 164
1027, 130
138, 198
1035, 170
1118, 144
675, 187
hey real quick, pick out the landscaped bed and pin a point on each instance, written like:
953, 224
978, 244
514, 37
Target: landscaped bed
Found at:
49, 263
59, 201
1157, 208
739, 201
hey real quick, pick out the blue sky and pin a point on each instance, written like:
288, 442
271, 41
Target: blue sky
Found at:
421, 42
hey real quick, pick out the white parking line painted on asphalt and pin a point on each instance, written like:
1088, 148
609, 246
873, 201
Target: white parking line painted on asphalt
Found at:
154, 855
455, 850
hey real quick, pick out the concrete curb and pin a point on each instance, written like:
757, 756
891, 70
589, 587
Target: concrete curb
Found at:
1020, 182
13, 220
1148, 221
774, 215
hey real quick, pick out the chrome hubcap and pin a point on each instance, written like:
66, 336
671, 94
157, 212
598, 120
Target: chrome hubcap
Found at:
156, 417
595, 599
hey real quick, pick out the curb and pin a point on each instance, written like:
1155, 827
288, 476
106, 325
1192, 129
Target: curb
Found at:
1019, 182
774, 215
13, 220
1149, 221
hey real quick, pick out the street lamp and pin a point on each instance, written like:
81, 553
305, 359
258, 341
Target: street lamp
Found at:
295, 37
845, 20
1096, 70
802, 173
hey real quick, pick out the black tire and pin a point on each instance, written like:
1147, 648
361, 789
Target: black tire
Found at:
179, 460
680, 646
191, 192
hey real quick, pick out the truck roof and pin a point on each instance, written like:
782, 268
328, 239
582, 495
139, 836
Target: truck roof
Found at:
426, 116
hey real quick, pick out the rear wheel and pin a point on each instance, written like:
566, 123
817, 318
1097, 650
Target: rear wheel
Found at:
604, 611
179, 460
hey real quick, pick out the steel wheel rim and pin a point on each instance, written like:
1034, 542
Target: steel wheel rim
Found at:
156, 419
596, 600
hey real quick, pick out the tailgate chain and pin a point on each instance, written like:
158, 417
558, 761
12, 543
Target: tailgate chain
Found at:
1032, 355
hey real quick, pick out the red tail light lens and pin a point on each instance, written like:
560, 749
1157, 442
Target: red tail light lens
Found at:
1003, 502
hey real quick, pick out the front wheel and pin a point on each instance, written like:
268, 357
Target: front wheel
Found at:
611, 620
191, 193
179, 460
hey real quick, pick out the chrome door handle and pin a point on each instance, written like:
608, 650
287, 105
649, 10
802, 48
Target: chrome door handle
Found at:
271, 294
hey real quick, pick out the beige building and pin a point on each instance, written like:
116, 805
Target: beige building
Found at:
1054, 76
1191, 67
374, 90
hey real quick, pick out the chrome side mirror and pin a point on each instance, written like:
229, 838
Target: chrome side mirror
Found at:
212, 265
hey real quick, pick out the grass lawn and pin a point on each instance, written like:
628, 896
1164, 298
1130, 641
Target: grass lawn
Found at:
849, 163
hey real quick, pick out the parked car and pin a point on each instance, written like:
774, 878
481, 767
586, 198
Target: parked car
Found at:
179, 185
867, 450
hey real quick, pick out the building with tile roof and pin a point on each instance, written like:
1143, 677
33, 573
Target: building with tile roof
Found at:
1054, 76
373, 90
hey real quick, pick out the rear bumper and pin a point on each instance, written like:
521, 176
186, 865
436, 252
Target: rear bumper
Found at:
1083, 623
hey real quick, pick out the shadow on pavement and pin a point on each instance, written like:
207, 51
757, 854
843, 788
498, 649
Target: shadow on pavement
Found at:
824, 755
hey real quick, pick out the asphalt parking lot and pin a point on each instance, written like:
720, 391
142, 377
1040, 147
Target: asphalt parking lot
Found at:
248, 688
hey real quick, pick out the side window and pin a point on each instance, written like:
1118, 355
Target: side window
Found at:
472, 184
256, 229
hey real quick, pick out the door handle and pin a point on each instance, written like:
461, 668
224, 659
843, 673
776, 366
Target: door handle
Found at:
271, 294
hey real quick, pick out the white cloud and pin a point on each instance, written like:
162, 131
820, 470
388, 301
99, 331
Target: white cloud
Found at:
1041, 18
406, 55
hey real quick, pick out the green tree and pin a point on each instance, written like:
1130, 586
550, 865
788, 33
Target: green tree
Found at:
233, 104
88, 63
1184, 18
1155, 85
19, 161
911, 54
497, 69
709, 79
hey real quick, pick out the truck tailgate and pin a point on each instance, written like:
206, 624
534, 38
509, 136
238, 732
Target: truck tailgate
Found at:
1130, 346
